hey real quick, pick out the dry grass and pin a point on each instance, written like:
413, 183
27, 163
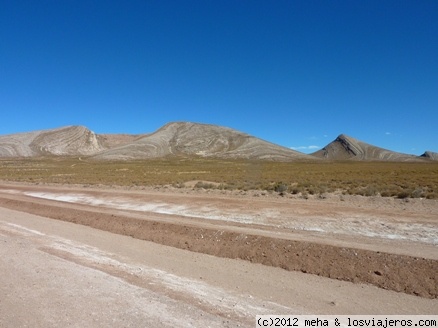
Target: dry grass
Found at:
359, 178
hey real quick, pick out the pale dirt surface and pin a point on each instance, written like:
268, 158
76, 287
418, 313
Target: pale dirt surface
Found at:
56, 273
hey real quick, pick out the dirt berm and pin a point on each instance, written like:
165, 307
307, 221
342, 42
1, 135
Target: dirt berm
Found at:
401, 273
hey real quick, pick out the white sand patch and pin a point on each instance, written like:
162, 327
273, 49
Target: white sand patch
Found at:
11, 191
213, 297
362, 226
161, 208
375, 227
205, 294
109, 301
23, 230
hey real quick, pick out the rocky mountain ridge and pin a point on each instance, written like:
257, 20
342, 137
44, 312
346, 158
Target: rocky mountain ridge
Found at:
201, 140
184, 139
65, 141
431, 155
348, 148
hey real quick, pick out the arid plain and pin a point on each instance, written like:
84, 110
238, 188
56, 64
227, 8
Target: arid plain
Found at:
211, 242
182, 257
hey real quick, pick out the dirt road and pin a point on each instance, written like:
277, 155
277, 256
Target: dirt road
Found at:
58, 273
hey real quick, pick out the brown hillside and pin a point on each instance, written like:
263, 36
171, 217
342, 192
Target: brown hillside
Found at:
203, 140
115, 140
430, 155
348, 148
65, 141
184, 139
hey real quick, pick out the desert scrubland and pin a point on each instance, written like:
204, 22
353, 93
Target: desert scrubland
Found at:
194, 238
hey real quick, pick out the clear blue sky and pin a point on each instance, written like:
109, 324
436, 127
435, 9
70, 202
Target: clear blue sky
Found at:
297, 73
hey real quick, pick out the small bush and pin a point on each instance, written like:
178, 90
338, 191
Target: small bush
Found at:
431, 195
295, 190
370, 190
280, 187
403, 194
418, 193
305, 195
204, 185
178, 185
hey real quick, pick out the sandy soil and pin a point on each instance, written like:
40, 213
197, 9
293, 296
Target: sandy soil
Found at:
204, 266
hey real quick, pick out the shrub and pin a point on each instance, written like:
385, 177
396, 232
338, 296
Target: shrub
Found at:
403, 194
295, 190
204, 185
370, 190
418, 193
280, 187
365, 178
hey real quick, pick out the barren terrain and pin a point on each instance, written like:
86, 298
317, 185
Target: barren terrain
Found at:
80, 256
345, 147
173, 139
185, 139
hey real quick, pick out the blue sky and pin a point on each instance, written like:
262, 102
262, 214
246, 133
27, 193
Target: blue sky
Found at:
296, 73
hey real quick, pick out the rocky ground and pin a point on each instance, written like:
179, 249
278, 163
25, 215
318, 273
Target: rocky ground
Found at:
82, 256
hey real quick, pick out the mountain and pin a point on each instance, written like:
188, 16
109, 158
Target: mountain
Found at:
202, 140
184, 139
65, 141
348, 148
430, 155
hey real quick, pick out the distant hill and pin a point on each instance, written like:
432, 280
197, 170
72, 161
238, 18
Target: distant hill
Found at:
430, 155
202, 140
348, 148
184, 139
65, 141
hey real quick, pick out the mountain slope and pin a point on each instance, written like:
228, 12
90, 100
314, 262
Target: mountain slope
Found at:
65, 141
348, 148
430, 155
204, 140
184, 139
